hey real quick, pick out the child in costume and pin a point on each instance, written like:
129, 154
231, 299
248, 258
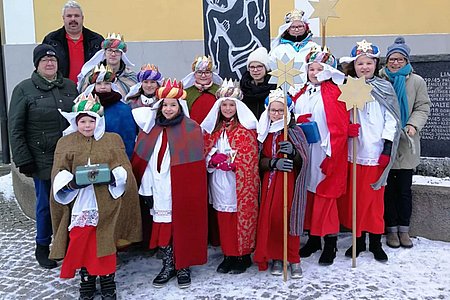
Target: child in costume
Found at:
84, 217
231, 151
170, 167
143, 92
269, 237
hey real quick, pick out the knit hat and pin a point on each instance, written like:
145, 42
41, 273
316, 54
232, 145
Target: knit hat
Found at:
114, 41
42, 50
259, 55
399, 46
150, 72
171, 89
229, 90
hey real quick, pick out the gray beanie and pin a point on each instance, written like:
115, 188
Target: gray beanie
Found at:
42, 50
399, 46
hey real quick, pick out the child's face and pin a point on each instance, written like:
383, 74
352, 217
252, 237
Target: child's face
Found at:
228, 108
149, 86
103, 87
313, 70
86, 126
365, 66
276, 111
170, 108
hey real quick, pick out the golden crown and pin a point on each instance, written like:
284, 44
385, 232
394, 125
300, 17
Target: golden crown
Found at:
294, 15
113, 36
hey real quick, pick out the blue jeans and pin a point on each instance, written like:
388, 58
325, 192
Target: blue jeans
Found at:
43, 218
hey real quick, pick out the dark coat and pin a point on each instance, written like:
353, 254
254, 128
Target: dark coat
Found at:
91, 41
255, 95
34, 122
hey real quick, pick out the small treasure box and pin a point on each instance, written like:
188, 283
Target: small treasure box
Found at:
311, 131
92, 174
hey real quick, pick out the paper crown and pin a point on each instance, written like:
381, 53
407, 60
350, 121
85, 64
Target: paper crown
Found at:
294, 15
229, 89
150, 72
317, 54
171, 89
365, 47
202, 63
87, 103
277, 95
114, 41
100, 73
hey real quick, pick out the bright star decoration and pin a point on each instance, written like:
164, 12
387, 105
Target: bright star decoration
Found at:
355, 93
286, 71
364, 46
324, 9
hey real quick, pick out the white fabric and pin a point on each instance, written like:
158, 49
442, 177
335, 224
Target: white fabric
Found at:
99, 130
328, 73
244, 114
222, 184
349, 59
145, 116
158, 184
265, 126
133, 90
189, 79
117, 190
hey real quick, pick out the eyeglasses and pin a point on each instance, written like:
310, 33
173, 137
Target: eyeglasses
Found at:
112, 51
300, 27
203, 73
47, 60
276, 111
394, 59
256, 68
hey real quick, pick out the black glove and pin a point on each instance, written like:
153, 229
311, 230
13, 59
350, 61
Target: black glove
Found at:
286, 147
387, 148
282, 164
72, 185
148, 200
28, 169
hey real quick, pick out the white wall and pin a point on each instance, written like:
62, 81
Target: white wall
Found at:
19, 22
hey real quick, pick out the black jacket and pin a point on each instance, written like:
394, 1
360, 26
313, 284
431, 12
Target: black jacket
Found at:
255, 95
91, 41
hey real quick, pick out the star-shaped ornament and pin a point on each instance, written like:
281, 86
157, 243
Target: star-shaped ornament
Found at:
356, 92
364, 46
324, 9
287, 71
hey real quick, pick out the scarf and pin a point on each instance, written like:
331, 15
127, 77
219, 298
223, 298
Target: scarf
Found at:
109, 98
203, 87
297, 44
399, 82
163, 122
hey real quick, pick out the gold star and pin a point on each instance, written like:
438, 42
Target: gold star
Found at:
356, 92
364, 46
324, 9
285, 72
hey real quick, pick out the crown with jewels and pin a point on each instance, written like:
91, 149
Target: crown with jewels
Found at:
102, 73
317, 54
150, 72
202, 63
115, 41
85, 103
229, 89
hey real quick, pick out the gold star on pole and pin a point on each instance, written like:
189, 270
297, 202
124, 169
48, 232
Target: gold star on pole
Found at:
355, 93
364, 46
324, 9
285, 73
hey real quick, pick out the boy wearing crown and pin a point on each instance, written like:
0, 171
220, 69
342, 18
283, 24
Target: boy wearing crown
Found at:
85, 215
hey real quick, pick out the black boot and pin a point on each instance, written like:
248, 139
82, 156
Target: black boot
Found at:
168, 270
87, 285
239, 265
184, 278
375, 247
360, 246
329, 251
312, 245
41, 254
108, 287
225, 265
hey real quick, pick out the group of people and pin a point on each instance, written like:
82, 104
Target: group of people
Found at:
178, 164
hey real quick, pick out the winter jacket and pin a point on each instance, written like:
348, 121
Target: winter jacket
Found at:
255, 95
34, 122
419, 108
91, 42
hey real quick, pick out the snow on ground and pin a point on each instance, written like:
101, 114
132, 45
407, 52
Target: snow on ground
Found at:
6, 187
428, 180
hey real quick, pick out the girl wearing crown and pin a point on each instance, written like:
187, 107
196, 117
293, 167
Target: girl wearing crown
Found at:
143, 92
376, 150
170, 168
269, 237
85, 217
232, 156
327, 169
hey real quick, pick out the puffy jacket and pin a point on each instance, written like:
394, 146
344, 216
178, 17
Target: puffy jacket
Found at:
91, 42
34, 122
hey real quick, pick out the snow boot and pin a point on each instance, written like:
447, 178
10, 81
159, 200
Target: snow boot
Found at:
360, 246
41, 254
108, 287
405, 240
312, 245
392, 237
329, 251
87, 285
225, 265
184, 278
168, 270
375, 247
239, 265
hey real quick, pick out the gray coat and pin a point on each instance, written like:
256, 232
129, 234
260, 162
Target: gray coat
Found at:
34, 122
408, 153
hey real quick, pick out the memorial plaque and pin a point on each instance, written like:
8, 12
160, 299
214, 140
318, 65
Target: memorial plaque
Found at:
435, 136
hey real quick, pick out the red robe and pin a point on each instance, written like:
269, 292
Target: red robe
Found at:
247, 183
189, 187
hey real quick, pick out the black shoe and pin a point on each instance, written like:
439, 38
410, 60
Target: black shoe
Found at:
312, 245
108, 287
360, 246
41, 254
225, 265
168, 270
238, 266
329, 251
184, 278
247, 260
87, 285
376, 249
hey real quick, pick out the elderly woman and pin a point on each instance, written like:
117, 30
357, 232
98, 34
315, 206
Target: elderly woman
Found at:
414, 105
143, 92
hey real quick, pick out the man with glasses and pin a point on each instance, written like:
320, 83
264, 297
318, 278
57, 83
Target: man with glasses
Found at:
74, 43
35, 125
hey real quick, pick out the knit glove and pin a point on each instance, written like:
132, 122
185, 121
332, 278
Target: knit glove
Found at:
385, 156
226, 166
353, 130
286, 147
325, 166
148, 200
304, 118
281, 164
217, 158
28, 169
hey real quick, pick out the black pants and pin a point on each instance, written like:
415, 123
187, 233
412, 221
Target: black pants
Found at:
398, 198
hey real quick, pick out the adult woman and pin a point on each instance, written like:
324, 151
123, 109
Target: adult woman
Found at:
232, 158
170, 168
327, 168
376, 149
269, 242
414, 104
143, 92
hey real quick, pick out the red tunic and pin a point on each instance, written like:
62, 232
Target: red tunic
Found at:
201, 107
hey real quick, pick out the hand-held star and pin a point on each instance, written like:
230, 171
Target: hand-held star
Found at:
324, 9
287, 71
355, 93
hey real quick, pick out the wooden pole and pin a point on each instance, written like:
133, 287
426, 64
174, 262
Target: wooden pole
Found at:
285, 194
354, 194
323, 33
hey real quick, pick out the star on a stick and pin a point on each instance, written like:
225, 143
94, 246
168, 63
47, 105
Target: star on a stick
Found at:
356, 92
324, 9
287, 71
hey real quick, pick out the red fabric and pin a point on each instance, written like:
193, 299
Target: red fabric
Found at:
76, 57
201, 107
304, 118
321, 217
82, 252
247, 181
383, 160
162, 150
228, 234
353, 130
269, 243
213, 227
161, 235
369, 202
